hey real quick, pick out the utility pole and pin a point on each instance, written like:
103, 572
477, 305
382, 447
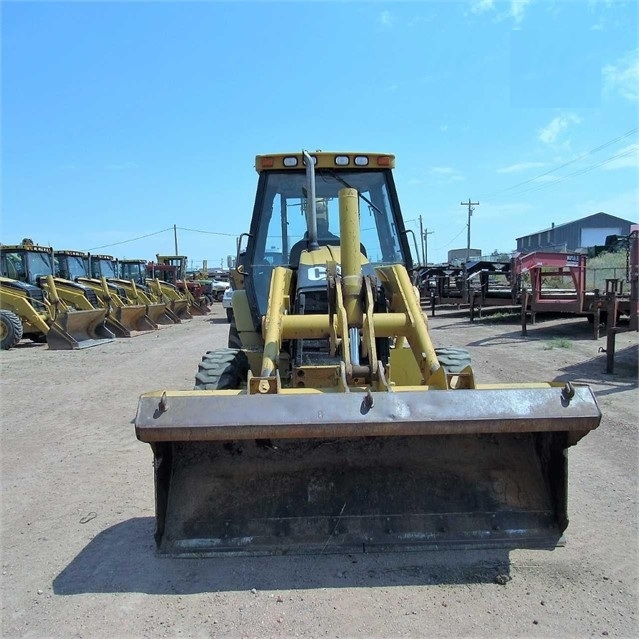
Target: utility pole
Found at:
421, 238
175, 238
471, 207
425, 244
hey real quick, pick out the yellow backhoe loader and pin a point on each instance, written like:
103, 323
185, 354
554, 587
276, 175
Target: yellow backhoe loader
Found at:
123, 315
337, 425
135, 272
107, 266
49, 309
167, 292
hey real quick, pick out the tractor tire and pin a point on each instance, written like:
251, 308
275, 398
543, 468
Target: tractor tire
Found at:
222, 369
10, 330
453, 360
234, 337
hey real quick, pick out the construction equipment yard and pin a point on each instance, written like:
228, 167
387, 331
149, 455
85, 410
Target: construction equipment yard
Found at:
78, 514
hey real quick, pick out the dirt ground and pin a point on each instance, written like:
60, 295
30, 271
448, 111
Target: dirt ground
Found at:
77, 511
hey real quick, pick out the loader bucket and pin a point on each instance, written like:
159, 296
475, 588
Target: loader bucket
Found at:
79, 329
199, 307
158, 314
181, 309
134, 318
116, 327
305, 473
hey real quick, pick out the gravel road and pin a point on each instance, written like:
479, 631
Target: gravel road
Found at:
77, 511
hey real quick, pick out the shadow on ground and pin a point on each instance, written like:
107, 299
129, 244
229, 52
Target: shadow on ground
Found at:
122, 559
593, 371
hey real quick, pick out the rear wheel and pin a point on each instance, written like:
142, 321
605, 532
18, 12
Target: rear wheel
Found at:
10, 330
222, 369
453, 360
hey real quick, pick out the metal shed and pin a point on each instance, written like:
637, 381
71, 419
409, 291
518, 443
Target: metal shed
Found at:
571, 236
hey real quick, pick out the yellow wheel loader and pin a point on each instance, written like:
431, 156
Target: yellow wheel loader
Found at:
337, 425
60, 313
123, 316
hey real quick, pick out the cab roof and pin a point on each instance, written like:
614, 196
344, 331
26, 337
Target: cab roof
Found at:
338, 160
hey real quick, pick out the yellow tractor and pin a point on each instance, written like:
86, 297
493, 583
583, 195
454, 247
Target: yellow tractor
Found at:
336, 425
49, 309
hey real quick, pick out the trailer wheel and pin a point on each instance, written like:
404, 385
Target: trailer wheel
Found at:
234, 337
452, 359
225, 368
10, 330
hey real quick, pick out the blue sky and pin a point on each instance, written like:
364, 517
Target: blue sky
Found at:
122, 119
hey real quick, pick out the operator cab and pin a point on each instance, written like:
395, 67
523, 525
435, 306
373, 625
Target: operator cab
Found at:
280, 224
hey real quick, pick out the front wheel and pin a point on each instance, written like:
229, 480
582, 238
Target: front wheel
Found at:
10, 330
222, 369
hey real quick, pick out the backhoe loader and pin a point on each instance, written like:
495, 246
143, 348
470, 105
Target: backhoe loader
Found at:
133, 272
159, 278
58, 311
107, 266
123, 315
337, 425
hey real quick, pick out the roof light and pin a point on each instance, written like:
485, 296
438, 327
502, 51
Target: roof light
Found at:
383, 160
361, 160
341, 160
268, 163
290, 161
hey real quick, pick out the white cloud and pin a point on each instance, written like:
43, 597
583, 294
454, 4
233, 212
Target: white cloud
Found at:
447, 174
521, 166
517, 10
551, 132
628, 158
480, 6
386, 19
623, 76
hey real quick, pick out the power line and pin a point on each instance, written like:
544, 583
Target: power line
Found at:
443, 246
95, 248
586, 169
181, 228
492, 196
